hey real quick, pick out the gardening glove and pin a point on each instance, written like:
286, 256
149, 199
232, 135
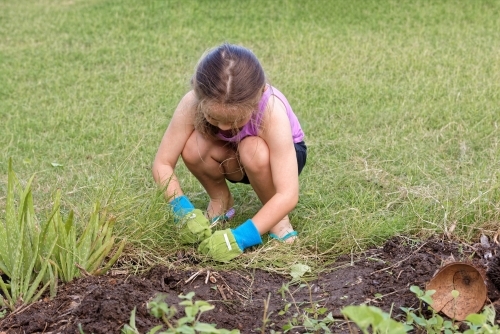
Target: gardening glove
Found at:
181, 206
225, 245
193, 225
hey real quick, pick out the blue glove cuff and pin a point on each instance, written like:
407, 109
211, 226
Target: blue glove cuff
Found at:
246, 235
181, 206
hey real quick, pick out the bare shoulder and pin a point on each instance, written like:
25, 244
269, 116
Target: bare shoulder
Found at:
275, 103
275, 123
186, 108
190, 96
275, 115
188, 101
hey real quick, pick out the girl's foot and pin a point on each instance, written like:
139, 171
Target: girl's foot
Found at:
283, 231
219, 210
287, 238
222, 218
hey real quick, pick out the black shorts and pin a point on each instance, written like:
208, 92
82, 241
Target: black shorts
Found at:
300, 152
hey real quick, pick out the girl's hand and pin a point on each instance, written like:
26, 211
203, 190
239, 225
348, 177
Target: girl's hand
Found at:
225, 245
221, 246
194, 226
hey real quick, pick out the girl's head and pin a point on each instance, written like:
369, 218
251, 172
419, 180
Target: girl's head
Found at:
228, 83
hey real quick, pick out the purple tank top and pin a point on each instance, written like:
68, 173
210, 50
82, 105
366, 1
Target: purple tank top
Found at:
252, 127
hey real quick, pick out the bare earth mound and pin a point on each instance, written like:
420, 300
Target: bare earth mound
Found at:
104, 304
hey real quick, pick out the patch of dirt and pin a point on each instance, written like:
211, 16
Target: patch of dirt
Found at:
104, 304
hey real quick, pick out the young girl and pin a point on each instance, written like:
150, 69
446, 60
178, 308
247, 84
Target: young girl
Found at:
233, 126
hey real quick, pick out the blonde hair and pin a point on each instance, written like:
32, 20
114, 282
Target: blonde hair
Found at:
228, 77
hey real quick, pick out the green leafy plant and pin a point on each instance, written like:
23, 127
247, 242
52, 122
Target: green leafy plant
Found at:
431, 324
87, 252
366, 317
298, 270
483, 323
312, 319
25, 248
189, 324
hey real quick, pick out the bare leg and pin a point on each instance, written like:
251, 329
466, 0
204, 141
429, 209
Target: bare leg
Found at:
254, 155
210, 162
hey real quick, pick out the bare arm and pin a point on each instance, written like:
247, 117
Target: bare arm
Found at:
278, 136
180, 128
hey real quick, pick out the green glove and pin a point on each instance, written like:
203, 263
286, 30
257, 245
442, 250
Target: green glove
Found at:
193, 227
221, 246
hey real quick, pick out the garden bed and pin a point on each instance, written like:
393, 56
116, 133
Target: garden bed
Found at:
381, 277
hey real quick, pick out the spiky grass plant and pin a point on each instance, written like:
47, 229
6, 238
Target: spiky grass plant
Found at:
25, 248
34, 256
85, 253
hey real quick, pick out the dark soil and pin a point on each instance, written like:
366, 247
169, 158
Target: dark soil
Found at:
104, 304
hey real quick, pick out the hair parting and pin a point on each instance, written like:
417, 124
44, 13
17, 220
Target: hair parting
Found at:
229, 78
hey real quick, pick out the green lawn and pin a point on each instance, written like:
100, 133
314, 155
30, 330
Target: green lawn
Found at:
400, 102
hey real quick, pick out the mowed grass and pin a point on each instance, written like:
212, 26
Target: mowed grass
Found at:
399, 100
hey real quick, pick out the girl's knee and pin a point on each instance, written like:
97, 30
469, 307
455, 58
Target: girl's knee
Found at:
191, 153
254, 153
200, 150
